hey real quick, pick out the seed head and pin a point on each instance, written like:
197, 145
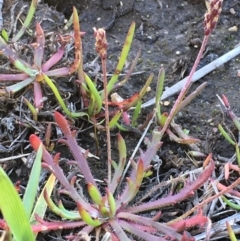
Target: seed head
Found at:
101, 42
211, 17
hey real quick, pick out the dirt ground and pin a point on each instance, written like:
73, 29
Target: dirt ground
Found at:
169, 33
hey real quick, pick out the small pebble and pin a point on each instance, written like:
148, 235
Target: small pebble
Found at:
215, 129
238, 72
232, 11
233, 29
166, 103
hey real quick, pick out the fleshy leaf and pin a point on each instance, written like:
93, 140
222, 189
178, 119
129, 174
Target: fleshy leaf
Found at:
13, 210
41, 205
231, 232
18, 86
62, 212
94, 91
111, 202
87, 218
32, 187
39, 49
119, 168
94, 194
122, 58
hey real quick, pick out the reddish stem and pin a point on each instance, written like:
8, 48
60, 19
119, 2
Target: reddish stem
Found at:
109, 156
186, 86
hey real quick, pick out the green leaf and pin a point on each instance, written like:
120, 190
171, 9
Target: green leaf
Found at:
60, 210
115, 119
13, 210
231, 204
111, 202
94, 194
136, 113
31, 108
140, 95
87, 218
118, 169
41, 205
32, 187
19, 86
159, 90
27, 21
230, 232
61, 101
95, 93
122, 59
237, 153
225, 134
5, 35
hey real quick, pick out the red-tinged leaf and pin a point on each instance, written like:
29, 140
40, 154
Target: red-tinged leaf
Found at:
53, 60
183, 194
121, 235
62, 123
133, 183
77, 42
47, 226
39, 49
222, 187
140, 95
234, 167
74, 147
161, 227
121, 104
187, 140
13, 77
198, 220
57, 72
74, 132
56, 158
225, 101
35, 142
138, 232
48, 134
226, 171
207, 160
38, 97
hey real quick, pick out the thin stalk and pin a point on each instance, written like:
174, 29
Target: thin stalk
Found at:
185, 88
109, 156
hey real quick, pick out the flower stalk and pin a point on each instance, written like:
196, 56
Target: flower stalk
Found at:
101, 48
